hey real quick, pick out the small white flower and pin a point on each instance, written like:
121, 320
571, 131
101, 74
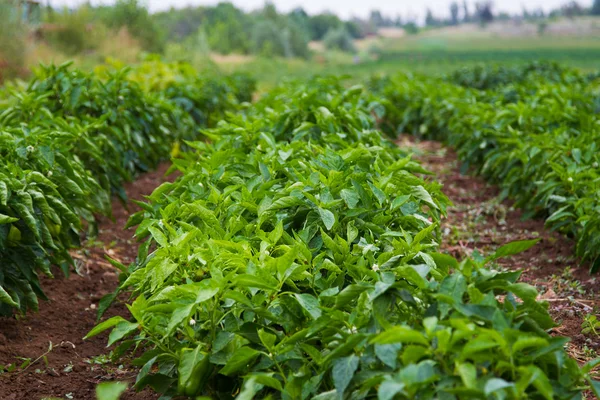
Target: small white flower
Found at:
192, 322
49, 174
375, 267
353, 329
570, 179
30, 149
595, 165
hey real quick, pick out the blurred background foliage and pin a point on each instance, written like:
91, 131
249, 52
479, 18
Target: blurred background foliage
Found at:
275, 45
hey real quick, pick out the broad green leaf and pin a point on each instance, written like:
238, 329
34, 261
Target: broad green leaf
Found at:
121, 330
513, 248
178, 317
110, 390
267, 380
350, 197
240, 360
247, 280
400, 334
494, 385
5, 298
5, 219
309, 303
103, 326
327, 217
342, 373
389, 389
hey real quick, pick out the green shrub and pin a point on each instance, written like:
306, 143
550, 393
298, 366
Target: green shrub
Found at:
13, 44
339, 39
296, 258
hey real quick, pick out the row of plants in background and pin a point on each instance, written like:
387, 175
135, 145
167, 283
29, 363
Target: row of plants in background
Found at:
296, 258
537, 137
67, 141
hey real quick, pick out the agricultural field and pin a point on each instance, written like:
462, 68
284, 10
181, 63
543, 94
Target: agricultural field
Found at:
399, 236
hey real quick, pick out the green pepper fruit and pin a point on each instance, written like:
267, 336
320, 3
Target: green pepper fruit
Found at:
194, 369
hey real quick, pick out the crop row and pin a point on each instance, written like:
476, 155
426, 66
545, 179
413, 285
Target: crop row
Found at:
535, 131
296, 258
70, 139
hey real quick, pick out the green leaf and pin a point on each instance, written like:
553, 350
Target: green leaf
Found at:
399, 201
310, 303
5, 219
342, 372
241, 359
109, 323
267, 339
160, 238
468, 374
350, 197
327, 217
513, 248
595, 386
388, 353
266, 379
121, 330
179, 316
247, 280
455, 286
110, 390
389, 389
495, 385
249, 389
400, 334
6, 299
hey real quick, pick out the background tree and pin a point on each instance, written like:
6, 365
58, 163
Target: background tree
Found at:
454, 13
322, 23
132, 15
466, 15
484, 12
339, 39
595, 8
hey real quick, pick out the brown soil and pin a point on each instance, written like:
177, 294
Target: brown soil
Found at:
477, 221
72, 369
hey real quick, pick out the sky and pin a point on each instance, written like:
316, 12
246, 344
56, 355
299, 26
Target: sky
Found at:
348, 8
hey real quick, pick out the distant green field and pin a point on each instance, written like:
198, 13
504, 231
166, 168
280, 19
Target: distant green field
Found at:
435, 52
430, 62
442, 60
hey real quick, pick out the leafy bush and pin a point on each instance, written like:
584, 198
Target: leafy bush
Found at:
296, 258
70, 139
537, 137
12, 44
74, 32
134, 16
339, 39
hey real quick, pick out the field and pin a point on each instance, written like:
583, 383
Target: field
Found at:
422, 223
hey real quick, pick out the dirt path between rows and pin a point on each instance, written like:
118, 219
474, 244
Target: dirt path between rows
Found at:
73, 368
478, 221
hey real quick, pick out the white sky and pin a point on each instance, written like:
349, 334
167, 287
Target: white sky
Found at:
348, 8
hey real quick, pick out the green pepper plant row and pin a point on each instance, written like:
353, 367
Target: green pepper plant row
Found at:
296, 258
70, 139
538, 138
